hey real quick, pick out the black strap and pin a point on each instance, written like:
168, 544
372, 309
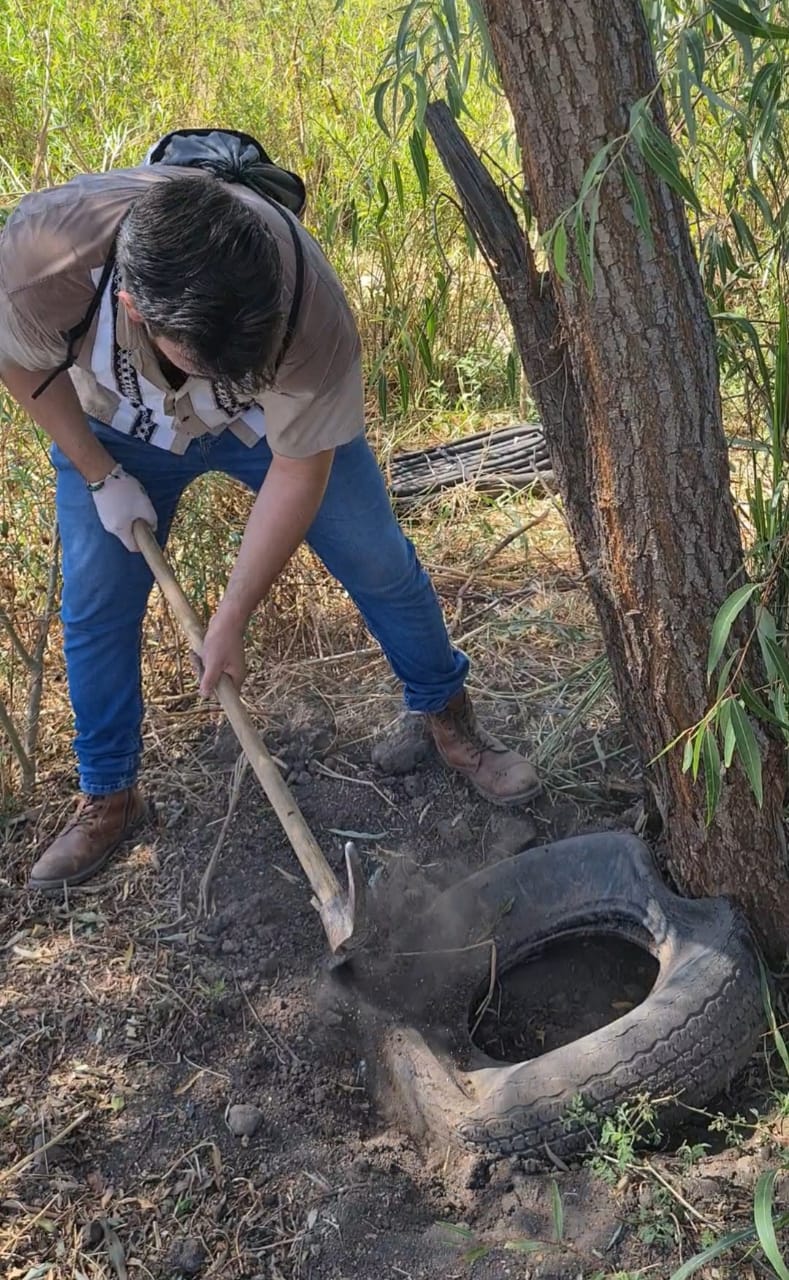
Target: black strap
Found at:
298, 286
73, 335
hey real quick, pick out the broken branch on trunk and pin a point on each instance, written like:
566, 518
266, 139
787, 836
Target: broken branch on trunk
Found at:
634, 430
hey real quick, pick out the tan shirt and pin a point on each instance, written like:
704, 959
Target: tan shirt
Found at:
52, 251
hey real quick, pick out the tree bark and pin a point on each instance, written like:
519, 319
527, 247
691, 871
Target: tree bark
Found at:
626, 381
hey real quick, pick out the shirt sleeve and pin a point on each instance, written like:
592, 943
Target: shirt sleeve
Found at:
302, 423
45, 280
24, 340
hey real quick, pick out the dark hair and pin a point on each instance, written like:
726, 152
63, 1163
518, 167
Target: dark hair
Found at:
204, 271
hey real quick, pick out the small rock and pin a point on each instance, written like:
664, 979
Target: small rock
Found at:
510, 834
413, 785
478, 1175
504, 1173
321, 739
360, 1167
745, 1171
218, 923
244, 1120
92, 1235
509, 1203
405, 745
44, 1160
187, 1256
706, 1190
230, 946
225, 748
226, 1006
454, 831
268, 967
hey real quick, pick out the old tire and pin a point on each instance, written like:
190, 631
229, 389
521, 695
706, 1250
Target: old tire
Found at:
698, 1026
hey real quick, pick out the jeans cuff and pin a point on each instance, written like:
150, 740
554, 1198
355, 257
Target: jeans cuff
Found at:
430, 704
93, 786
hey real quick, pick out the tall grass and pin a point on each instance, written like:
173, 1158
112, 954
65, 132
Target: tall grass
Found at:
89, 86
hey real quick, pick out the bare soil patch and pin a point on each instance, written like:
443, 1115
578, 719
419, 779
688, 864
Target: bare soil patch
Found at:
571, 989
129, 1017
133, 1026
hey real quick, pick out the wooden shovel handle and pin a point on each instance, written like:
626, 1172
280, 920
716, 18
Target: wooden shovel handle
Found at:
306, 848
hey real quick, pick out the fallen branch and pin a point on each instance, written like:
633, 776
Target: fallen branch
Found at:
21, 1165
500, 546
24, 745
25, 763
17, 644
204, 900
483, 1008
35, 691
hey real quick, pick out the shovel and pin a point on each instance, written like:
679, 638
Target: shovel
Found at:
342, 915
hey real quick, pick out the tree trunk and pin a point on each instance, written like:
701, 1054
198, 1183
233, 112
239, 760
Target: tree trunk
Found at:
626, 381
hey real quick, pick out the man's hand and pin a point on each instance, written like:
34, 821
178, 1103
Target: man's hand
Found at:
223, 651
119, 502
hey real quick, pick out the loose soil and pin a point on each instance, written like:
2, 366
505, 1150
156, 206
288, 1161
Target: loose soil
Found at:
134, 1024
571, 989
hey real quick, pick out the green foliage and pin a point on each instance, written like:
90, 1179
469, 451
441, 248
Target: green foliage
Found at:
690, 1154
775, 1030
713, 1251
91, 86
727, 725
763, 1231
765, 1224
631, 1127
747, 19
557, 1211
473, 1249
615, 1139
439, 48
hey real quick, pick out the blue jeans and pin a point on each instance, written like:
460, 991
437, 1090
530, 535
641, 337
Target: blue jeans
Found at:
106, 587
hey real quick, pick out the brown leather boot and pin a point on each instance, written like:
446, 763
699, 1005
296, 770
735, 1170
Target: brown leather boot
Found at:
499, 774
89, 840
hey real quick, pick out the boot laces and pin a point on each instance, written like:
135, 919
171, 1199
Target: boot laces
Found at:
88, 812
468, 726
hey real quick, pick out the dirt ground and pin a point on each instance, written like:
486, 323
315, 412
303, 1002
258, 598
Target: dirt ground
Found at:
131, 1026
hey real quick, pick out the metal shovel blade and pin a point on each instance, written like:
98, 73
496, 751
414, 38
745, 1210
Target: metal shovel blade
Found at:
344, 915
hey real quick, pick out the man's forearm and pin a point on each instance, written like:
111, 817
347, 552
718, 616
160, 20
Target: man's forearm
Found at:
283, 512
59, 413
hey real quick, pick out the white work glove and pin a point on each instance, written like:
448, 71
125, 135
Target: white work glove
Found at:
120, 500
